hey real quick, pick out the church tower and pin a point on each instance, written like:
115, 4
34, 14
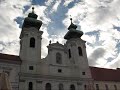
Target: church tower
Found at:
77, 50
30, 38
30, 51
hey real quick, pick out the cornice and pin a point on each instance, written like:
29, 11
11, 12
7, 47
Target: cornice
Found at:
39, 76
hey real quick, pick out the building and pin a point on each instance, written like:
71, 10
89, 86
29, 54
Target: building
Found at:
64, 68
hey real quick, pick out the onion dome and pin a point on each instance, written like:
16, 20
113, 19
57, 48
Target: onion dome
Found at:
31, 21
73, 33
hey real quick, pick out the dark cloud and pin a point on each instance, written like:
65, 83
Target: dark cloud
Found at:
19, 21
106, 1
116, 27
38, 2
98, 53
26, 7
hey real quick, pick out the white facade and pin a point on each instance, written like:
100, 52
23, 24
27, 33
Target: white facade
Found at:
68, 72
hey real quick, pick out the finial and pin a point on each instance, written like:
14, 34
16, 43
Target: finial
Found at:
50, 42
71, 20
32, 9
72, 26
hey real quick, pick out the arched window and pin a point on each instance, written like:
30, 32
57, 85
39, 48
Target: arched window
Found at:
69, 53
72, 87
97, 87
80, 51
61, 87
48, 86
115, 87
85, 87
106, 86
32, 42
30, 87
58, 58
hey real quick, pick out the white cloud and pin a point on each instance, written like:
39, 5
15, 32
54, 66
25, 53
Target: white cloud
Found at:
68, 2
90, 39
55, 6
114, 63
49, 2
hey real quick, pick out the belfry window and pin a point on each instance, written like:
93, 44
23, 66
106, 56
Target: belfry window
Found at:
58, 58
72, 87
48, 86
61, 87
32, 42
80, 51
30, 87
69, 51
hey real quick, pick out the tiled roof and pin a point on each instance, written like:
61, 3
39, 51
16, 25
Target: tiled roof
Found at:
103, 74
10, 58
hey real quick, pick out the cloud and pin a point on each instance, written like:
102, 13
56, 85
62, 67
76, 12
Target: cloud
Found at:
114, 63
67, 2
97, 54
49, 2
55, 6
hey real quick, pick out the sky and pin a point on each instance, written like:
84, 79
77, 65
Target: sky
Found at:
98, 19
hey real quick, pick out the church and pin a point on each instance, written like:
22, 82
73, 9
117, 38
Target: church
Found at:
64, 68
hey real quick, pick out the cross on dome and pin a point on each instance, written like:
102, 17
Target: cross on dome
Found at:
72, 26
33, 9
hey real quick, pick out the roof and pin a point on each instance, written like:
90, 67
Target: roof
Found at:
73, 34
10, 58
104, 74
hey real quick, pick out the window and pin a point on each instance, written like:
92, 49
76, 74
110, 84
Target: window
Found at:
30, 67
83, 73
80, 51
48, 86
97, 87
106, 86
85, 87
72, 87
58, 58
115, 87
61, 87
59, 70
32, 42
69, 53
30, 87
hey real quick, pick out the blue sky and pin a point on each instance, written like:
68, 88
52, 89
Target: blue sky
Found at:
98, 19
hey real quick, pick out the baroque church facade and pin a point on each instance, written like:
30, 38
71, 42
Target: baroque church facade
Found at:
64, 68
